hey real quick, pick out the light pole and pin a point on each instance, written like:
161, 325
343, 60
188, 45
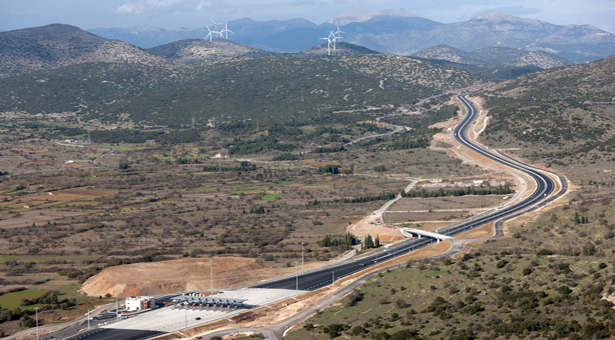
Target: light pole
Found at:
297, 278
301, 257
117, 308
186, 314
88, 319
36, 309
333, 277
211, 275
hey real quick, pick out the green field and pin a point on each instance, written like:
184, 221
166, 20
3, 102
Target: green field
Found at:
245, 192
12, 300
271, 197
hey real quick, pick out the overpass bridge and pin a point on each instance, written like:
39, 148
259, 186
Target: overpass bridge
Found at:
421, 233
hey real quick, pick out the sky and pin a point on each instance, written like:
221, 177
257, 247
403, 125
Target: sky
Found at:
86, 14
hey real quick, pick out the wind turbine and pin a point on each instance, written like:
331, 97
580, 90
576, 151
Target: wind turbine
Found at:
332, 38
226, 31
338, 33
209, 35
328, 39
215, 28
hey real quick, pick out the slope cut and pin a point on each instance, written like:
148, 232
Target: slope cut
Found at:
149, 278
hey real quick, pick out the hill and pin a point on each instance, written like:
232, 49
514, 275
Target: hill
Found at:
188, 51
274, 89
40, 48
497, 56
495, 62
341, 49
561, 111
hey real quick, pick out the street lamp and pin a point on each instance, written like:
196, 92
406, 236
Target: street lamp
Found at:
36, 309
117, 308
211, 275
297, 278
301, 257
88, 319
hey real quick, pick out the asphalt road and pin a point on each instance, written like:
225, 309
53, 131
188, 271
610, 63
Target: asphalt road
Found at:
544, 187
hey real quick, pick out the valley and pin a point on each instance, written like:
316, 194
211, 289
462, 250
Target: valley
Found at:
440, 194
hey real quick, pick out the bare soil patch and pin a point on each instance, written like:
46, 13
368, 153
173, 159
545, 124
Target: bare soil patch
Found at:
178, 275
482, 232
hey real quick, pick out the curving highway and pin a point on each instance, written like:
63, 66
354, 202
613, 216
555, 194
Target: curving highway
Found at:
545, 186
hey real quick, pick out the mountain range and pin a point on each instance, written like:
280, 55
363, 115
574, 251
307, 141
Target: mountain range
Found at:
396, 32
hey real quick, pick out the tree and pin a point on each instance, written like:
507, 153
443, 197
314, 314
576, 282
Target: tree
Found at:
368, 243
576, 218
377, 242
588, 249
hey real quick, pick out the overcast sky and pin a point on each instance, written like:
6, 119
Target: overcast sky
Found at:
15, 14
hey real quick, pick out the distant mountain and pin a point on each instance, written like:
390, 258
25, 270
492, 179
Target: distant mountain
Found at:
362, 15
189, 51
40, 48
399, 32
493, 56
245, 31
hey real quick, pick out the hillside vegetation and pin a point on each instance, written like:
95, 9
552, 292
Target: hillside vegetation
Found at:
270, 89
560, 110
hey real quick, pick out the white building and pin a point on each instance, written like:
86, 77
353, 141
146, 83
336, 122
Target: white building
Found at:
137, 303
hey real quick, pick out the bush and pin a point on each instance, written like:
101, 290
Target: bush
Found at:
545, 252
357, 330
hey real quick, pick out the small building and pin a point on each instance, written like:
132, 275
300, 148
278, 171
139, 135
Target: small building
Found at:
137, 303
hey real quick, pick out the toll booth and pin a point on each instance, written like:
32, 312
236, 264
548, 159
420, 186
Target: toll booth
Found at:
195, 301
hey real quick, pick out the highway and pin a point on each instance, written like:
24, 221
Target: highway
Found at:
318, 278
545, 186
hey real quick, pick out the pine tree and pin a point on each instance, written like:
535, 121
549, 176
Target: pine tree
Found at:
369, 243
576, 218
377, 242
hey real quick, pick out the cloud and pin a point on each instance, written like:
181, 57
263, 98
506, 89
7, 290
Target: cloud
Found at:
174, 7
144, 6
513, 10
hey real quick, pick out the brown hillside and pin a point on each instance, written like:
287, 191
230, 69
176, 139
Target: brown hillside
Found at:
177, 275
